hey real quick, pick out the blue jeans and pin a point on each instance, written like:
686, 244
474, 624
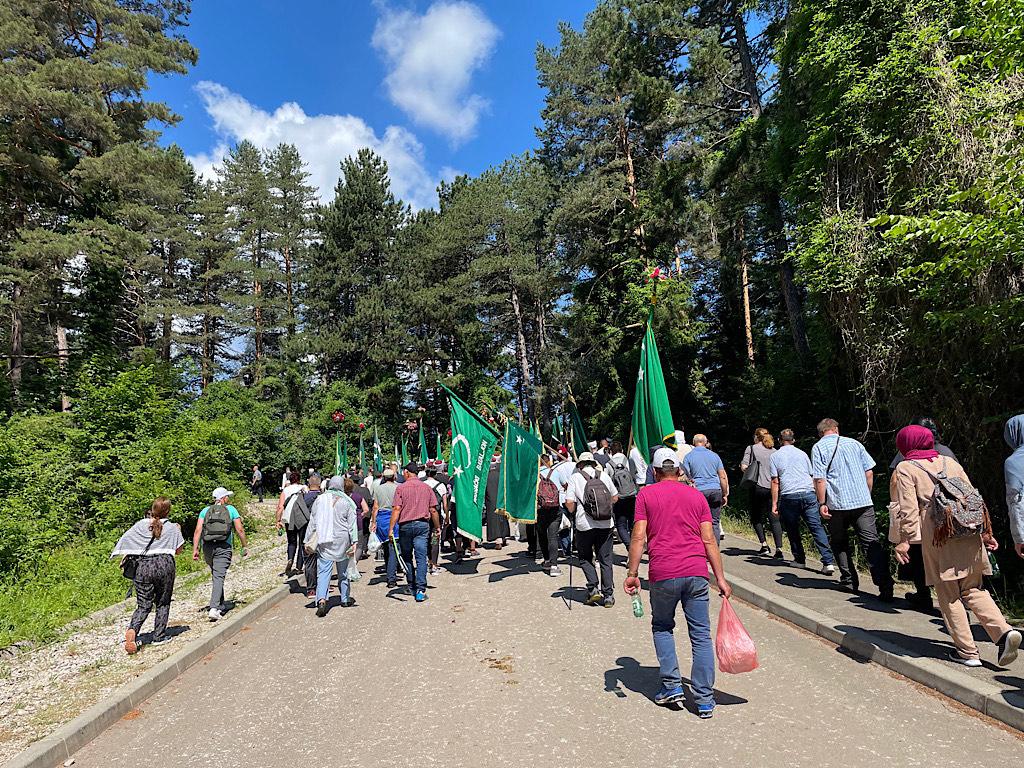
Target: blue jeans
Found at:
805, 505
692, 592
324, 566
413, 537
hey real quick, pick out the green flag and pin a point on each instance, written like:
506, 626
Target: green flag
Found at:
439, 451
652, 416
579, 434
520, 473
362, 455
405, 453
338, 458
473, 441
424, 453
378, 455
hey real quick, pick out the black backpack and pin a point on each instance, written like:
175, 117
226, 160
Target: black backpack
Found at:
597, 501
217, 525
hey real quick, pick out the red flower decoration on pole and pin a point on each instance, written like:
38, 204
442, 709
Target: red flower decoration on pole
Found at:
337, 417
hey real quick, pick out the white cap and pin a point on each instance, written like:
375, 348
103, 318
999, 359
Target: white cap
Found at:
585, 456
221, 492
664, 456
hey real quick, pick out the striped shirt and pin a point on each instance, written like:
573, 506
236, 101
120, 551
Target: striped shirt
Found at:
846, 486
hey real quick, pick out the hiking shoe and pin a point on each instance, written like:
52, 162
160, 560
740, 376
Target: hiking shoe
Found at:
764, 550
609, 601
705, 711
955, 656
778, 555
885, 594
348, 602
321, 608
595, 598
668, 696
828, 570
215, 615
555, 571
1008, 645
131, 647
421, 595
392, 585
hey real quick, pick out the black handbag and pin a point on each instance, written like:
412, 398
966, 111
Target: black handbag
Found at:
130, 563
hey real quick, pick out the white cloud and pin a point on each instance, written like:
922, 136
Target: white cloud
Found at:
322, 140
431, 60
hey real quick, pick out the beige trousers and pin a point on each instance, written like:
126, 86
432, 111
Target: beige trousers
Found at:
954, 598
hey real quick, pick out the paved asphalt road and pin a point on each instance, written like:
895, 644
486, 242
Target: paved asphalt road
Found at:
494, 671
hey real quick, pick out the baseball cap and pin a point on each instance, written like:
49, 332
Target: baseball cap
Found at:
665, 458
585, 456
221, 492
389, 472
412, 467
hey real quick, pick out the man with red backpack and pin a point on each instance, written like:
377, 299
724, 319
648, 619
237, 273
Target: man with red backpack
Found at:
549, 514
590, 498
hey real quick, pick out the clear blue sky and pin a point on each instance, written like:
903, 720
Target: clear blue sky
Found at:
437, 87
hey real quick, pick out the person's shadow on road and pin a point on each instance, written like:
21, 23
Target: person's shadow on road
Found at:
646, 681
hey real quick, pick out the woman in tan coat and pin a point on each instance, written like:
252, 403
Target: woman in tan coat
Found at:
954, 567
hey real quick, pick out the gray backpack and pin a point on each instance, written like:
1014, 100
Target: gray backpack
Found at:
956, 509
597, 501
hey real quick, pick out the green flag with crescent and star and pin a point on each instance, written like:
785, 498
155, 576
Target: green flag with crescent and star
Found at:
473, 441
378, 455
424, 453
520, 473
652, 416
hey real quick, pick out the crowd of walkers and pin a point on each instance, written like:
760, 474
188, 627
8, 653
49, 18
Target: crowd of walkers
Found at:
667, 505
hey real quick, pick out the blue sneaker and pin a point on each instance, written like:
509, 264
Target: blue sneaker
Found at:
421, 596
669, 696
705, 711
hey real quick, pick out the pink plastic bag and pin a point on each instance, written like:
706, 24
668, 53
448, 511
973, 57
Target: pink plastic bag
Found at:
733, 646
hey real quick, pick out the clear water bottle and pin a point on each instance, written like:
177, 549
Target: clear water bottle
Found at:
638, 606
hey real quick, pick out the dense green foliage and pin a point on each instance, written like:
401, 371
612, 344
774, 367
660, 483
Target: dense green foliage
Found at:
831, 190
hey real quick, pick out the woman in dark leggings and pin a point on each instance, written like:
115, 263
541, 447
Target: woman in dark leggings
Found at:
153, 542
760, 452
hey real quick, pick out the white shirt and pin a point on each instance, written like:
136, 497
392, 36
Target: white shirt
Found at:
576, 492
560, 474
639, 465
291, 493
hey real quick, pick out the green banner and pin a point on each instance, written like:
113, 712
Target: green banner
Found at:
378, 455
440, 453
652, 416
405, 454
473, 442
520, 473
362, 456
579, 434
424, 453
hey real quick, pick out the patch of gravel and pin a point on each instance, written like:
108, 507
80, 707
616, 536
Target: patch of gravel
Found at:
43, 688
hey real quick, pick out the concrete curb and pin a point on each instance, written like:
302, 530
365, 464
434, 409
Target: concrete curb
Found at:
976, 694
63, 743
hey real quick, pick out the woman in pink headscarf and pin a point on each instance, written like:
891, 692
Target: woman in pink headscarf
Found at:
955, 566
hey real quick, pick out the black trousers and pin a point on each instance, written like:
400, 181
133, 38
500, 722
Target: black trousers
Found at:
761, 510
625, 509
531, 537
295, 538
548, 521
154, 585
863, 522
596, 541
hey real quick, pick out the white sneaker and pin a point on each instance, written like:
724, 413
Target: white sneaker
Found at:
954, 656
554, 571
215, 615
828, 570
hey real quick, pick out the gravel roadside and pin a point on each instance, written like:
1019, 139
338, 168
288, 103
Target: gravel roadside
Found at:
46, 687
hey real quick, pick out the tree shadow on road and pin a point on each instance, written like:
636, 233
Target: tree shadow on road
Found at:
646, 681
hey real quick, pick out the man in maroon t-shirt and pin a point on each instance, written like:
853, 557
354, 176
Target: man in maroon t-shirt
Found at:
675, 521
413, 511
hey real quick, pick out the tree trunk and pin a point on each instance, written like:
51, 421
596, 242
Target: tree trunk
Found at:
747, 69
525, 383
790, 294
63, 355
631, 191
287, 253
745, 283
16, 359
167, 285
